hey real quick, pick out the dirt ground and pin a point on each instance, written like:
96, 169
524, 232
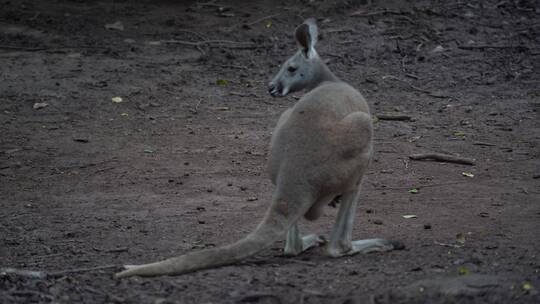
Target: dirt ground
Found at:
179, 164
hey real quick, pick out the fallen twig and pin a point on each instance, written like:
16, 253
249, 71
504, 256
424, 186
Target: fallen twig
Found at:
22, 48
52, 48
408, 83
216, 43
23, 273
400, 117
243, 94
297, 261
420, 187
232, 66
448, 245
360, 14
341, 30
232, 27
257, 296
482, 47
262, 19
193, 33
442, 157
24, 293
481, 143
428, 92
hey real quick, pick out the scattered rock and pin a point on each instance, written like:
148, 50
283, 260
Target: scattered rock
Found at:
40, 105
377, 222
427, 226
118, 25
438, 49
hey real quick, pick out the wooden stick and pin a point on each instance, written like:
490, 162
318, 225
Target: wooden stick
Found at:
401, 117
481, 47
22, 48
442, 157
420, 186
263, 18
216, 43
408, 83
25, 293
255, 297
24, 273
383, 12
481, 143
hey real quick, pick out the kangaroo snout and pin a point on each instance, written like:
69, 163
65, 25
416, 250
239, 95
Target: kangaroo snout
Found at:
274, 89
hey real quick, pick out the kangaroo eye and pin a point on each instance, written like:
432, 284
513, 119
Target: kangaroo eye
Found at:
292, 69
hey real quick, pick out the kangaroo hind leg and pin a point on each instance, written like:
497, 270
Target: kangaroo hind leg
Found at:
296, 244
341, 242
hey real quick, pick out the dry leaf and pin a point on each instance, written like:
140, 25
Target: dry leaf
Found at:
222, 82
462, 270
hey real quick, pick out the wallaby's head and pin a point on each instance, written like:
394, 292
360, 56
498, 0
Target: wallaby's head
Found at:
304, 68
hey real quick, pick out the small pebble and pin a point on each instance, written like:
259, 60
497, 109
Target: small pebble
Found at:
427, 226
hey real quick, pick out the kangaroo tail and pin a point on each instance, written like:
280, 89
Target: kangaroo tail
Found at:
273, 227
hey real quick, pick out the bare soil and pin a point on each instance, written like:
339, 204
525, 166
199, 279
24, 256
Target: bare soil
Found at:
179, 164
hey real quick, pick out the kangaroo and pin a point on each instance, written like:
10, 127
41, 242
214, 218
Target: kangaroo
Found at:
320, 150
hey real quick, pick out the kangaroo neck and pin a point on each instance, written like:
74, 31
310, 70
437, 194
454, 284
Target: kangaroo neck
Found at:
322, 74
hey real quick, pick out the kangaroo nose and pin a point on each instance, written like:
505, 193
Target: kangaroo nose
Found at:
272, 89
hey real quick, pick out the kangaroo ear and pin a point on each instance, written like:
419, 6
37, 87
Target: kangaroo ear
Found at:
306, 36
